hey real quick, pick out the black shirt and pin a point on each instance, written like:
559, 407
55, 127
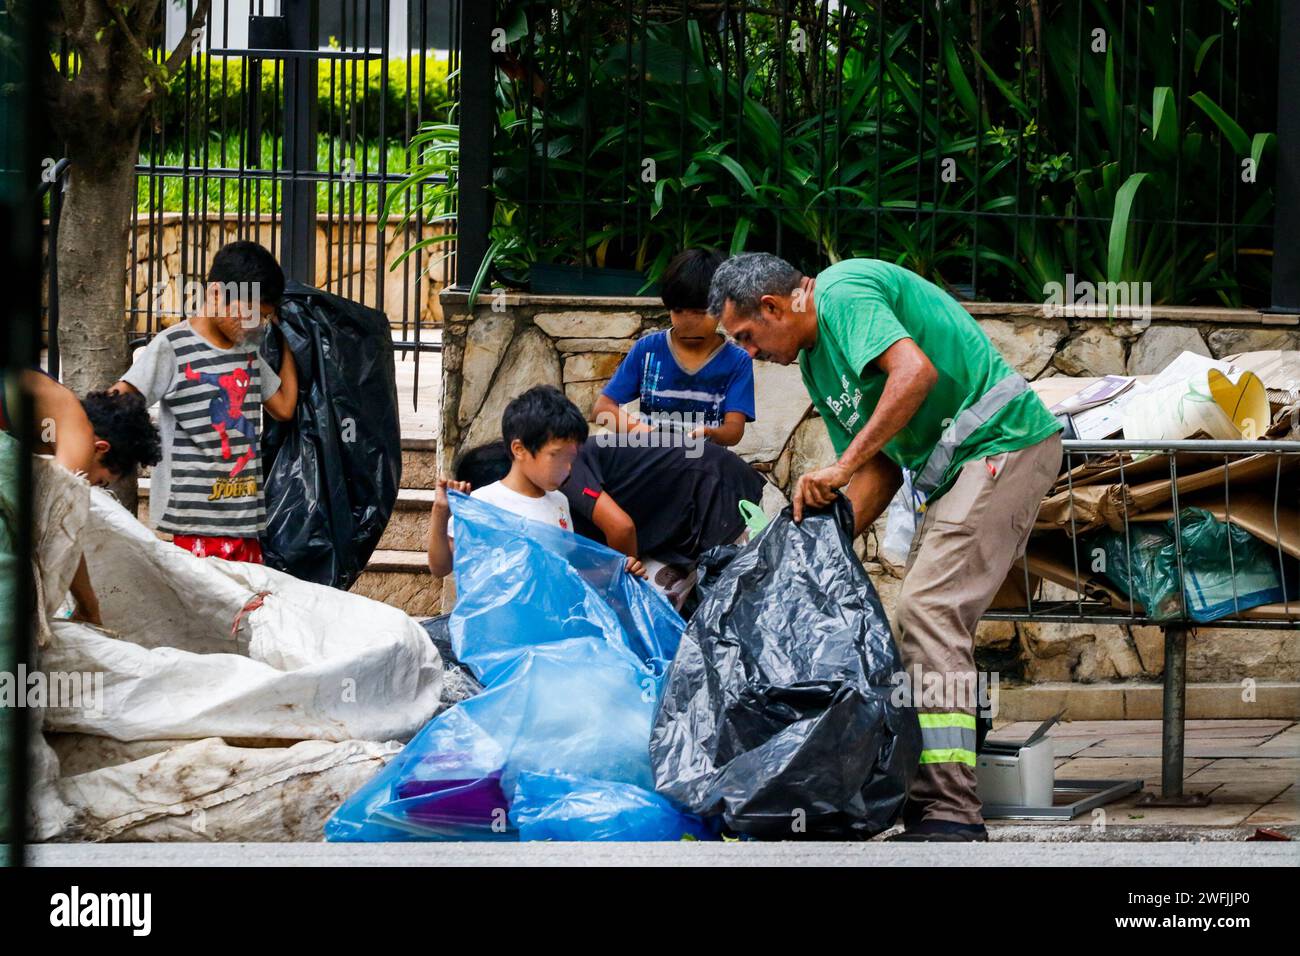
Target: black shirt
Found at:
683, 501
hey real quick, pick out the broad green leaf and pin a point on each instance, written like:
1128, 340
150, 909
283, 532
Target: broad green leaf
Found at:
518, 26
737, 171
960, 84
1119, 224
1206, 44
1004, 88
1234, 134
1164, 119
1258, 144
739, 236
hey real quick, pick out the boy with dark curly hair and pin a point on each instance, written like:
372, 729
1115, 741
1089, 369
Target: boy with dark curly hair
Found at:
104, 437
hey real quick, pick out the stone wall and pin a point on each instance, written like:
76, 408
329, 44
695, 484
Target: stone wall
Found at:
513, 341
159, 263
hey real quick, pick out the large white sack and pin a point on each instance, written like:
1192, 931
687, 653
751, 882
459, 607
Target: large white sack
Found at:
60, 508
202, 647
207, 790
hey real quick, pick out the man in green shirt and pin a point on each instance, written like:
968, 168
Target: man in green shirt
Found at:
904, 378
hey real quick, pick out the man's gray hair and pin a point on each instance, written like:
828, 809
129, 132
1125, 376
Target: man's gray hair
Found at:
746, 278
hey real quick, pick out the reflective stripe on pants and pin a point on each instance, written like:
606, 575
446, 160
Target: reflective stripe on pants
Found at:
947, 738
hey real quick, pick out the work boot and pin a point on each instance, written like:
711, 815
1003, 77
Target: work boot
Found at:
913, 813
941, 831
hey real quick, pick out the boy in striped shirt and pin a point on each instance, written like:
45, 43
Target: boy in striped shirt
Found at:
212, 384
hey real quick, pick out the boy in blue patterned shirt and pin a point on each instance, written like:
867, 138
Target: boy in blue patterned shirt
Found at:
688, 377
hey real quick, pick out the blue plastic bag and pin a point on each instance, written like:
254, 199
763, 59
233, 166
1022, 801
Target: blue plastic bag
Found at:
572, 651
573, 808
1225, 569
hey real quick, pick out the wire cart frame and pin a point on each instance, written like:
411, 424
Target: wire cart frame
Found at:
1191, 472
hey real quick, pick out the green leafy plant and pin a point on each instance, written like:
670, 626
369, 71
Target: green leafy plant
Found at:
986, 147
211, 93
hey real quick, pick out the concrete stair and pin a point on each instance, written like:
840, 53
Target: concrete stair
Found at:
398, 572
401, 578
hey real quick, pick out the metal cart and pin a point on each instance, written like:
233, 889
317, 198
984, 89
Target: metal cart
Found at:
1266, 482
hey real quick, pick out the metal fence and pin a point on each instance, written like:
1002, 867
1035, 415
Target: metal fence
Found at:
1115, 540
993, 147
289, 125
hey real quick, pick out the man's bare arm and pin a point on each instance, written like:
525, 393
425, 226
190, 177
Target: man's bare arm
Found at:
61, 422
871, 489
615, 524
87, 604
909, 378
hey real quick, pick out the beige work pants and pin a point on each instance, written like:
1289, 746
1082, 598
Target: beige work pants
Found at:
961, 555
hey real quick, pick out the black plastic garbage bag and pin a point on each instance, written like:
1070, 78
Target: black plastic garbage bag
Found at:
777, 710
458, 681
332, 473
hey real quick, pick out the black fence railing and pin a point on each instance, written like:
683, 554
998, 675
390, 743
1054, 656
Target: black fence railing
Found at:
290, 124
994, 147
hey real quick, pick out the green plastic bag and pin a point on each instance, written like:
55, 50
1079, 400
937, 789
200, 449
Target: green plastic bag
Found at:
1225, 568
1141, 575
1218, 581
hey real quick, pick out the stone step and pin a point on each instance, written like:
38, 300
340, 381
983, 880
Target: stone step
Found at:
401, 578
1143, 701
408, 526
419, 462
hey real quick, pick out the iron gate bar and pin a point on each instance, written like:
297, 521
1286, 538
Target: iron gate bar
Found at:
53, 187
1286, 215
477, 125
298, 202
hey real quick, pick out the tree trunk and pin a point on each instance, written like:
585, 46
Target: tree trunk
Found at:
92, 250
92, 268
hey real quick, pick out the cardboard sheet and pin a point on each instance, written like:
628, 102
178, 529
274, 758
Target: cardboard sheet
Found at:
1092, 506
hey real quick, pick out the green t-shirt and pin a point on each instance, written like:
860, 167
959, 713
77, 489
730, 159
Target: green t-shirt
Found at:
866, 305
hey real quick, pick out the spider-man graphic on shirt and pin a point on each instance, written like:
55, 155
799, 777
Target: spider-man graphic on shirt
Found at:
227, 409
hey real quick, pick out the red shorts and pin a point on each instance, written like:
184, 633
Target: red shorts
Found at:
232, 549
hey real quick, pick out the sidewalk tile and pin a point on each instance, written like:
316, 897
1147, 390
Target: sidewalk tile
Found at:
1104, 728
1266, 726
1255, 770
1285, 744
1122, 768
1192, 747
1245, 791
1275, 815
1215, 815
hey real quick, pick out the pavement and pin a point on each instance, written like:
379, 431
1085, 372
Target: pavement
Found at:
1249, 769
419, 386
1214, 854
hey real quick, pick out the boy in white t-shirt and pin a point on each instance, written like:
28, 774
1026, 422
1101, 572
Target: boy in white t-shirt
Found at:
543, 431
